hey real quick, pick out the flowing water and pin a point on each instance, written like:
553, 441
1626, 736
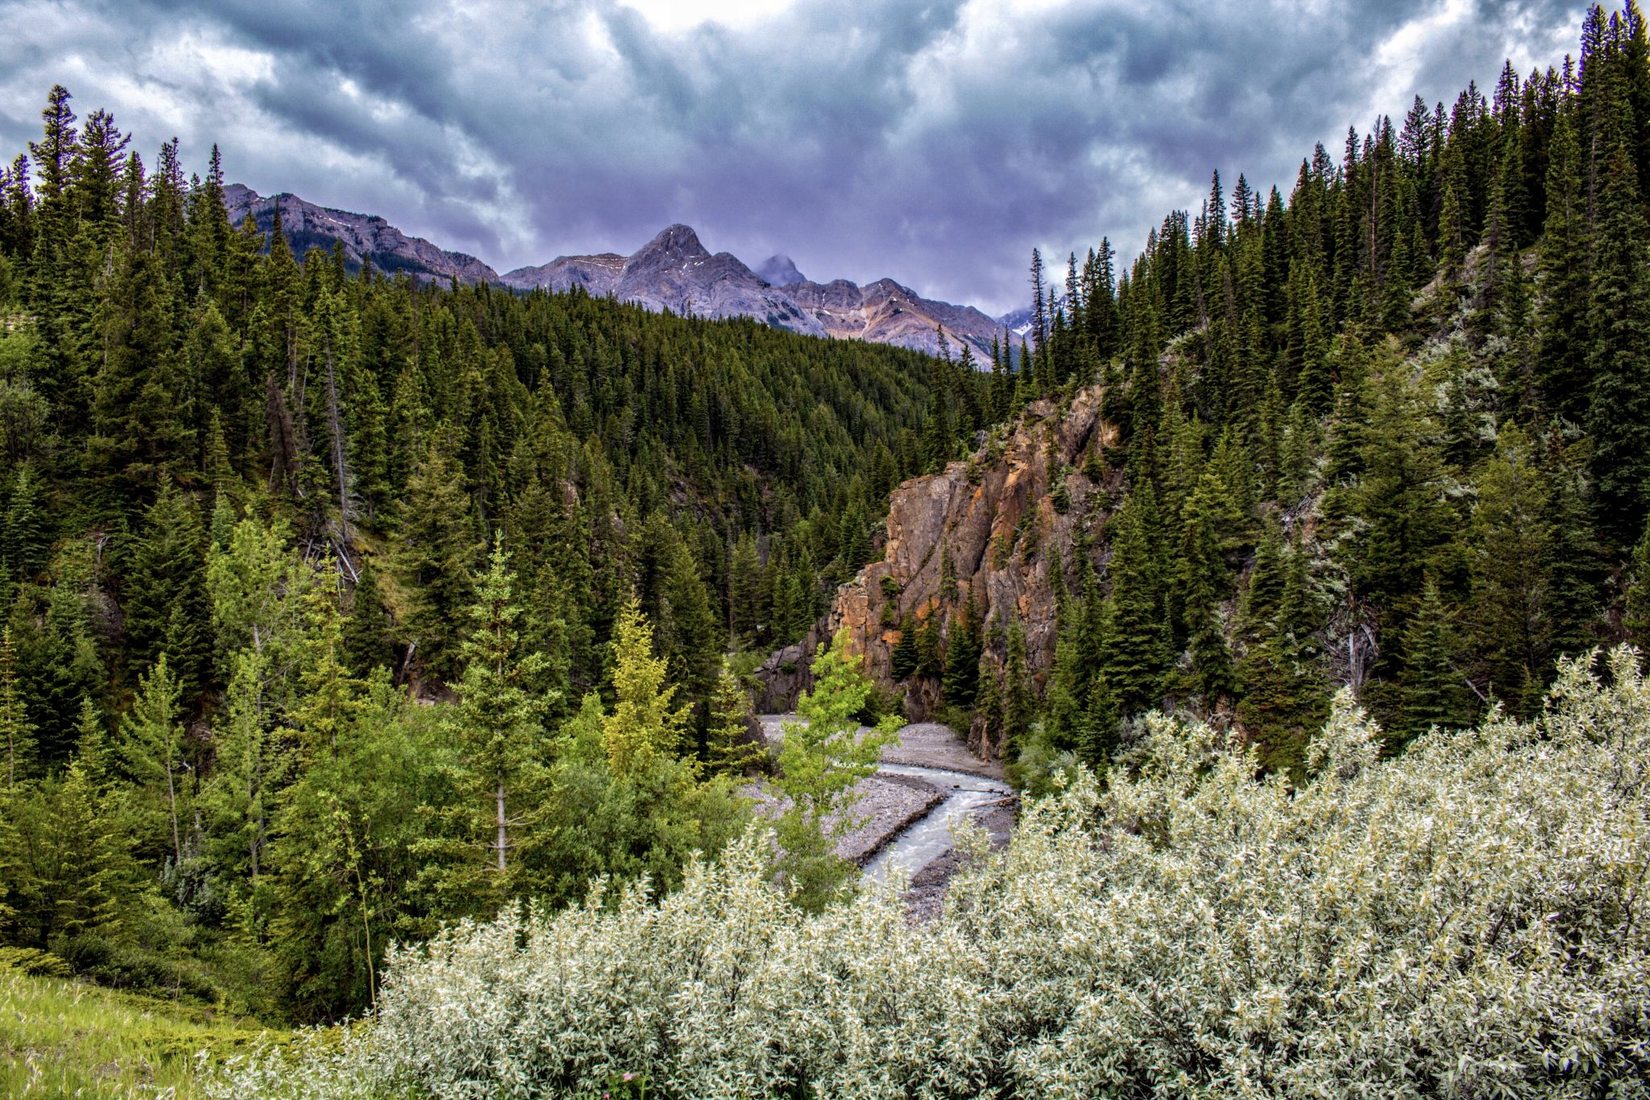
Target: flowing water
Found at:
929, 838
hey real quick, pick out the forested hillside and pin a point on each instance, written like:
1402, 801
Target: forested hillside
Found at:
339, 608
1391, 430
255, 504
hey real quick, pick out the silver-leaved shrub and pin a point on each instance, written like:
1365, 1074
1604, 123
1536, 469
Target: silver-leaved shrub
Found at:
1469, 919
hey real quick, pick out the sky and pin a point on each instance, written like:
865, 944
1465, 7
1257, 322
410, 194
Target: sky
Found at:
932, 141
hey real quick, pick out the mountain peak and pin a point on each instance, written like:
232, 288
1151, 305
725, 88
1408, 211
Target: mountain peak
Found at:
780, 271
676, 241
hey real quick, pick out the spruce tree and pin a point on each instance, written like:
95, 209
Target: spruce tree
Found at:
824, 754
167, 607
17, 740
252, 764
152, 757
730, 750
1017, 693
1285, 694
1202, 583
1432, 693
142, 431
1619, 355
1635, 622
25, 534
1561, 365
1510, 555
435, 551
1137, 636
367, 629
644, 725
961, 682
499, 718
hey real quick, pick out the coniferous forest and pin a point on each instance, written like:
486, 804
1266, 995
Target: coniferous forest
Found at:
340, 609
257, 504
1388, 431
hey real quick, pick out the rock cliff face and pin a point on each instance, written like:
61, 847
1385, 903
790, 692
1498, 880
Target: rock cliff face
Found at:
999, 524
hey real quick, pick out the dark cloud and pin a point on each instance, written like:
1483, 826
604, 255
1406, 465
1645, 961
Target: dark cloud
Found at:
935, 141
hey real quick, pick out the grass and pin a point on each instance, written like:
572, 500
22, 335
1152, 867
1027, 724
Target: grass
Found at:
62, 1038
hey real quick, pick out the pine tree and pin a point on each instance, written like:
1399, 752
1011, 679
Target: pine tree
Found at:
1619, 356
1432, 694
824, 754
151, 750
436, 549
167, 608
17, 740
731, 750
644, 725
499, 717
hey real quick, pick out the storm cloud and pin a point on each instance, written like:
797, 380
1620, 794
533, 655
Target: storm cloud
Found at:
934, 141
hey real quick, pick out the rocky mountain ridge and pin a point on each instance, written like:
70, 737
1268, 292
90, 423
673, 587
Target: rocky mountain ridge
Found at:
993, 528
673, 271
364, 237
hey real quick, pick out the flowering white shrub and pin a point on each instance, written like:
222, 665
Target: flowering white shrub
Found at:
1465, 920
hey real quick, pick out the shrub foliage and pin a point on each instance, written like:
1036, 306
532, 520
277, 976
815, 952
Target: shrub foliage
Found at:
1462, 920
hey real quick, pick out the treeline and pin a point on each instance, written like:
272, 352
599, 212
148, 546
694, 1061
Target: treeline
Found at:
1393, 431
248, 503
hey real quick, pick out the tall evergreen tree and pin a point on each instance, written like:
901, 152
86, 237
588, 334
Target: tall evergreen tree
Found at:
498, 717
1619, 355
436, 549
17, 740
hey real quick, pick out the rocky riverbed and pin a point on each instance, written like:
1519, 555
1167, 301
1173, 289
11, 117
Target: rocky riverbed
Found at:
928, 782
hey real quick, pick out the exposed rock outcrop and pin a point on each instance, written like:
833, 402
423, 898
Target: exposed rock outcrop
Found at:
999, 524
596, 274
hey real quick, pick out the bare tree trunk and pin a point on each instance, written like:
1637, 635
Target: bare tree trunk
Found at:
503, 836
172, 802
335, 422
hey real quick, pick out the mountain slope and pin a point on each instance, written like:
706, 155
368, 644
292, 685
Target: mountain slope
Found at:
364, 236
675, 271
